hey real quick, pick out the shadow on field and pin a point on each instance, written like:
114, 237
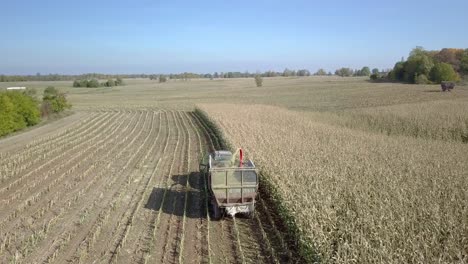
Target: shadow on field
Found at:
433, 91
171, 200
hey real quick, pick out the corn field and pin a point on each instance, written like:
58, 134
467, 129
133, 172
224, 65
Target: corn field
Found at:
358, 196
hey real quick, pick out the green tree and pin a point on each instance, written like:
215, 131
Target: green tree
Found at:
60, 103
55, 100
162, 79
84, 83
303, 72
93, 83
464, 62
17, 110
422, 79
7, 115
320, 72
365, 71
49, 93
26, 107
344, 72
450, 56
110, 83
287, 72
419, 62
443, 72
258, 80
375, 71
119, 81
398, 72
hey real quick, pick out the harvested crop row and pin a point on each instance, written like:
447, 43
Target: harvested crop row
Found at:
59, 195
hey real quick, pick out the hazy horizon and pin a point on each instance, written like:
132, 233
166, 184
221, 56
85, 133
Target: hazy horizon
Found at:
117, 37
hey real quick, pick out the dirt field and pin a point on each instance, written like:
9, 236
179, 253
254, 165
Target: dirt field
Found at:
120, 187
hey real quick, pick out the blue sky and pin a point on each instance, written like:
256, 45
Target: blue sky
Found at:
73, 37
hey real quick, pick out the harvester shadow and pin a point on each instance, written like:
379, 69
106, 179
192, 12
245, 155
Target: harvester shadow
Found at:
171, 200
433, 91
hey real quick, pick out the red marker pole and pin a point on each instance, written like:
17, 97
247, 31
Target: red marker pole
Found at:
241, 157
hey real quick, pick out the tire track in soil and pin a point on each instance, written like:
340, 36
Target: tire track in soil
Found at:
172, 206
195, 237
222, 242
175, 244
178, 243
205, 220
158, 198
133, 250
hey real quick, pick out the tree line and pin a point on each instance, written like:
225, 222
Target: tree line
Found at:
365, 71
94, 83
116, 79
426, 66
62, 77
344, 72
20, 109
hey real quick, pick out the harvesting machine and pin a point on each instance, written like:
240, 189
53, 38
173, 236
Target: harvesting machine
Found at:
232, 183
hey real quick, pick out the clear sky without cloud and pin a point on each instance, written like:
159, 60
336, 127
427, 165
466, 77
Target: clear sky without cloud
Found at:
73, 37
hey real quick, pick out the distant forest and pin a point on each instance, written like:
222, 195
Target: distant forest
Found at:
365, 71
422, 66
429, 67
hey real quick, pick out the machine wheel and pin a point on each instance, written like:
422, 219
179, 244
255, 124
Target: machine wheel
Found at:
251, 214
216, 211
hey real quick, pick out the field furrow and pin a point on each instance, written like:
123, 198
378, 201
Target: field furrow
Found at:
194, 241
58, 198
172, 206
59, 161
110, 189
79, 204
22, 158
135, 248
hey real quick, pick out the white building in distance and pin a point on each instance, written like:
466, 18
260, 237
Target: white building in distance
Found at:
16, 88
